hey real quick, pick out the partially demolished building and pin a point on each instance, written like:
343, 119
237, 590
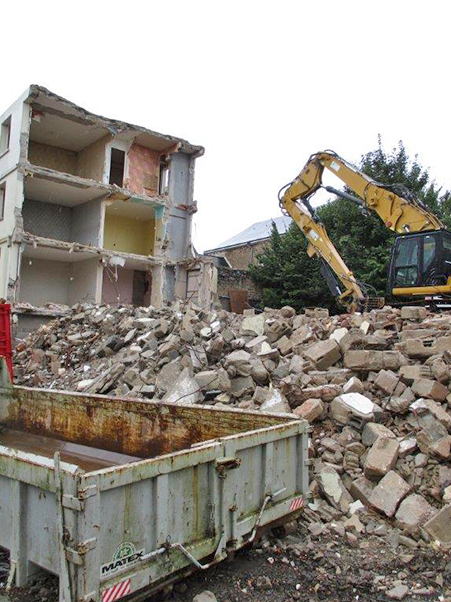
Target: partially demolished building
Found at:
94, 210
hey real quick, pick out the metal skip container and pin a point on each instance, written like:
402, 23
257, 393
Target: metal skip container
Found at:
121, 497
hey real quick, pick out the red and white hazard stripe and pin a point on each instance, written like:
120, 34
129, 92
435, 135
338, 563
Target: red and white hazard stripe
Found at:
117, 591
297, 503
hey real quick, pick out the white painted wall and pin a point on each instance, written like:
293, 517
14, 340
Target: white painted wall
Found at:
17, 111
4, 266
13, 191
44, 281
84, 286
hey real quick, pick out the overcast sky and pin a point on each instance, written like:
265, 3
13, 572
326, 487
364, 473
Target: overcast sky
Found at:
261, 85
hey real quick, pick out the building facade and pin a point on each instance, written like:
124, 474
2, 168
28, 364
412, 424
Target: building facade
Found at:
236, 289
94, 210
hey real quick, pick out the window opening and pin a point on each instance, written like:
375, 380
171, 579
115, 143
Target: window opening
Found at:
406, 262
5, 135
163, 182
117, 167
428, 251
2, 200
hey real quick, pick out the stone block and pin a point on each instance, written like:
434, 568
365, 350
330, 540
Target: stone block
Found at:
373, 430
185, 390
284, 345
333, 489
255, 345
361, 489
413, 313
416, 349
311, 410
388, 493
430, 389
381, 457
323, 354
287, 311
439, 527
338, 334
344, 407
439, 412
434, 440
413, 512
207, 380
365, 360
386, 382
407, 446
254, 325
316, 312
242, 385
276, 403
354, 385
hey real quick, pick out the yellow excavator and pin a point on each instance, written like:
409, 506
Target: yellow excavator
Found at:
420, 264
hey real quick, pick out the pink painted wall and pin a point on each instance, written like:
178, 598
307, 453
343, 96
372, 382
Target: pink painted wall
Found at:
143, 171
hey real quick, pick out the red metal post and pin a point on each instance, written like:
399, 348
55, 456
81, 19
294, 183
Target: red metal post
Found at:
5, 336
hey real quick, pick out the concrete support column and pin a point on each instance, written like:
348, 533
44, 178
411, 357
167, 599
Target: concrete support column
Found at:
208, 284
156, 297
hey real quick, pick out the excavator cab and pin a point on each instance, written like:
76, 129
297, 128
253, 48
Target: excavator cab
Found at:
421, 264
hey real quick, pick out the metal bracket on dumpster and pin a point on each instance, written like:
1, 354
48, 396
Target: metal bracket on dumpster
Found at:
72, 503
87, 492
222, 465
76, 556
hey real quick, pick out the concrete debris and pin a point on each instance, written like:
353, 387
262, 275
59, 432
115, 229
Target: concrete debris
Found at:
388, 493
205, 596
413, 512
399, 592
375, 387
311, 410
439, 526
334, 490
381, 457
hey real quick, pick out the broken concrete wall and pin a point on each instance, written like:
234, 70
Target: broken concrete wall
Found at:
143, 170
178, 228
87, 222
91, 161
53, 157
42, 280
84, 282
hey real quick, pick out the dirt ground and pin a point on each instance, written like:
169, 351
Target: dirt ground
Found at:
295, 567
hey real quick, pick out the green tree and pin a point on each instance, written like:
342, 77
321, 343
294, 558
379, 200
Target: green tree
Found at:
289, 277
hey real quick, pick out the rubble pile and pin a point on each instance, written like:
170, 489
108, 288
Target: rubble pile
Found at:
375, 387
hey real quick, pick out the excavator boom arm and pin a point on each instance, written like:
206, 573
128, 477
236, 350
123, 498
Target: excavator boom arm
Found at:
399, 214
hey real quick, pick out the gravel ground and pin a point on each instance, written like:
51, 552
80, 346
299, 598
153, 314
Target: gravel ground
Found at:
295, 567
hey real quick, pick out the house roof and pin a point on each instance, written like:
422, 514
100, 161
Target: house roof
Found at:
256, 232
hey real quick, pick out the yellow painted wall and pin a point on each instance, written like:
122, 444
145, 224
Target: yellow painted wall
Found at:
128, 235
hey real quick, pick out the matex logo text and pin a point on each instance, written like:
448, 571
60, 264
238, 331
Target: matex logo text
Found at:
125, 555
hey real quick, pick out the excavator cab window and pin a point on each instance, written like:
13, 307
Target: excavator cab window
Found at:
407, 259
447, 252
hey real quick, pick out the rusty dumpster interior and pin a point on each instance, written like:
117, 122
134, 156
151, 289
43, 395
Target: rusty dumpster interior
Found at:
95, 432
